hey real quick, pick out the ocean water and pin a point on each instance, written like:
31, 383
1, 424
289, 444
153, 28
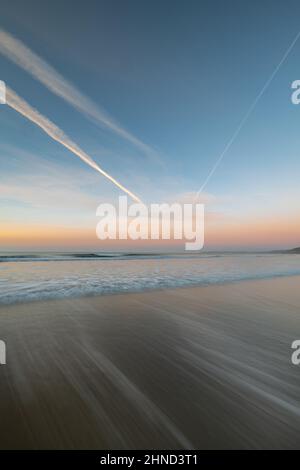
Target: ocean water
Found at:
28, 277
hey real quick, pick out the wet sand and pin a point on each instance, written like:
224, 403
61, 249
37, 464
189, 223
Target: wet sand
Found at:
204, 368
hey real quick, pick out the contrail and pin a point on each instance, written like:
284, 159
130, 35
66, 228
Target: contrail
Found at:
248, 114
19, 105
22, 56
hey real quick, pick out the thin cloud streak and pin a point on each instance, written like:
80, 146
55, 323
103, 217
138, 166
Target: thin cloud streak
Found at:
22, 107
248, 114
22, 56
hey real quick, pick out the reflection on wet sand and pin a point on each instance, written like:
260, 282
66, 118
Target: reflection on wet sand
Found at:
206, 367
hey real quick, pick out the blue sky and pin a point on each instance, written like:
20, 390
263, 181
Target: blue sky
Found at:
179, 76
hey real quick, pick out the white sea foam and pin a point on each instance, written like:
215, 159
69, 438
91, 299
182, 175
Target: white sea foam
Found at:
46, 276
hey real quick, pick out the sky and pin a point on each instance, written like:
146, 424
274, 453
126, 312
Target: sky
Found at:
160, 89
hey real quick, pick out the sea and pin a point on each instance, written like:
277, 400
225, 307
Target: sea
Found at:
28, 277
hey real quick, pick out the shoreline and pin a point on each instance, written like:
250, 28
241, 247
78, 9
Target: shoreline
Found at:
149, 290
194, 367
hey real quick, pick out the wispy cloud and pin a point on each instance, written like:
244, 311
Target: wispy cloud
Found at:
22, 107
43, 183
25, 58
55, 196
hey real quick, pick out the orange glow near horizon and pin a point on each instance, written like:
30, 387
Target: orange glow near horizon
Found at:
284, 232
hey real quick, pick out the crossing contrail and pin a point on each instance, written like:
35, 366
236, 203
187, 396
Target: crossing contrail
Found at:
21, 55
22, 107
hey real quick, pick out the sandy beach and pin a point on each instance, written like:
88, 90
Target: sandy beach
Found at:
206, 367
